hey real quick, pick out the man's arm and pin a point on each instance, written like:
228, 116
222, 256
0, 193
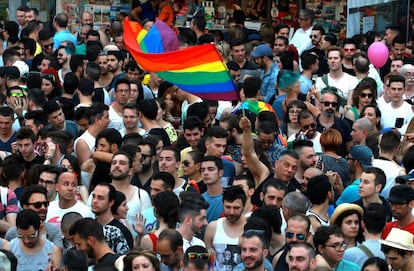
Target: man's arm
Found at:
82, 151
209, 234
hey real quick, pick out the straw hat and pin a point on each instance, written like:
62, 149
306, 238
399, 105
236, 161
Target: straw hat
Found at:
340, 209
400, 239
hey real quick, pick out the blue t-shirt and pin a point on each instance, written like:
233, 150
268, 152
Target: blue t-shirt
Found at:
215, 206
345, 265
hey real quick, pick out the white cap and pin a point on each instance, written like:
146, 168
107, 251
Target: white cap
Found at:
23, 67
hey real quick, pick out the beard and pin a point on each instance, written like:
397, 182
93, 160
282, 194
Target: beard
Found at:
119, 176
255, 264
146, 167
329, 112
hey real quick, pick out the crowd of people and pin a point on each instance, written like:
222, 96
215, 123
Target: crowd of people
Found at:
109, 167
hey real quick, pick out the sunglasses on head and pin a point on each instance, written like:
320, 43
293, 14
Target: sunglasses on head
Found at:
49, 77
366, 95
193, 256
299, 236
326, 103
39, 204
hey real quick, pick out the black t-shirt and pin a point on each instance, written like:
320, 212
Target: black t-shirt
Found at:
107, 259
38, 160
162, 133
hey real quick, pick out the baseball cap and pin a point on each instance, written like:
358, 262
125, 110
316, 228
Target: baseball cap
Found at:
262, 50
405, 178
401, 194
23, 68
11, 72
254, 37
363, 155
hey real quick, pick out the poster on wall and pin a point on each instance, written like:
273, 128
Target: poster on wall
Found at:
103, 11
330, 14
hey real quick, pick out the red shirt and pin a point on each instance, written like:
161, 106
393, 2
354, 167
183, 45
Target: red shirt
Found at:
394, 224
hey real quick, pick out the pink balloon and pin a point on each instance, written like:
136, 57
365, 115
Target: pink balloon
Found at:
378, 54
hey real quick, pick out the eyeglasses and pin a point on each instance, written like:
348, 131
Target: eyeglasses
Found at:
397, 204
39, 204
349, 50
30, 237
16, 94
48, 45
326, 103
338, 246
366, 95
349, 158
186, 163
299, 236
123, 91
193, 256
306, 127
314, 36
48, 183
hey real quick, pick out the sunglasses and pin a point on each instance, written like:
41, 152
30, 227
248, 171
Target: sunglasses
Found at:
306, 127
326, 103
48, 45
193, 256
349, 50
144, 156
39, 204
16, 94
299, 236
366, 95
186, 163
314, 36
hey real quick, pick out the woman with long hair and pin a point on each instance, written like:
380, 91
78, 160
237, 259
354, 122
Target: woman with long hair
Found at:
142, 260
166, 206
365, 93
50, 84
372, 112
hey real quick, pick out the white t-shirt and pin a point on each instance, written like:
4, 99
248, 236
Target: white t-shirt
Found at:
55, 213
390, 115
346, 83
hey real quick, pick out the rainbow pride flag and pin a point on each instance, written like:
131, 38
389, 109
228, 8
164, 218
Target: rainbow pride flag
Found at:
198, 69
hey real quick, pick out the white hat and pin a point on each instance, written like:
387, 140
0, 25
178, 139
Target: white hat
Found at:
400, 239
23, 67
110, 47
